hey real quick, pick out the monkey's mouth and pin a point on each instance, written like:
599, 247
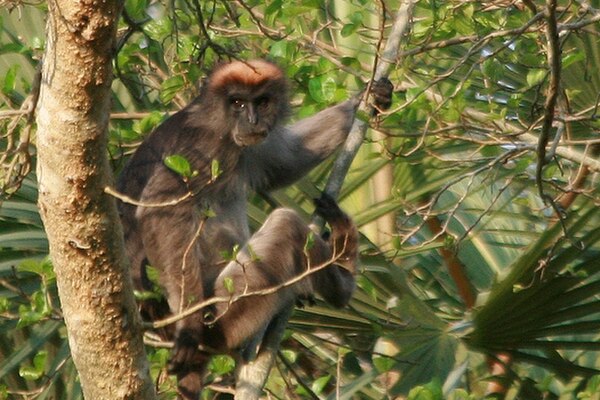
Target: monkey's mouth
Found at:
249, 138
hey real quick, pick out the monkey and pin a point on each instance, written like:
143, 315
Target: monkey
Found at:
234, 137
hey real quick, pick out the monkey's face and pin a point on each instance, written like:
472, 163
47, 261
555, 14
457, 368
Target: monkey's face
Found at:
253, 117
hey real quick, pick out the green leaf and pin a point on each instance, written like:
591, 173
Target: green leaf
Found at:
228, 284
536, 76
43, 268
492, 69
10, 79
159, 29
221, 365
170, 87
430, 391
383, 364
320, 383
178, 164
215, 169
273, 8
310, 241
322, 89
348, 29
290, 355
36, 371
572, 58
279, 49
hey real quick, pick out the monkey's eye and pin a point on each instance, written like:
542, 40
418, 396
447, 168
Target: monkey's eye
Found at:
238, 104
262, 101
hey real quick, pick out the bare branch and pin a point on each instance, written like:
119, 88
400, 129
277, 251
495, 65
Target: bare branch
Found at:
553, 55
359, 128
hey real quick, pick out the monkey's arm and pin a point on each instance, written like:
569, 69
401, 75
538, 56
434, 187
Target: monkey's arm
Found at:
290, 152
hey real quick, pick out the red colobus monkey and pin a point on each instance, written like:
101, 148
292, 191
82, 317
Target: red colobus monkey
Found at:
237, 124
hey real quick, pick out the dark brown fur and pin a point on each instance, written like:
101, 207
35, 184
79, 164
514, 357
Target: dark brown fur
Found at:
237, 120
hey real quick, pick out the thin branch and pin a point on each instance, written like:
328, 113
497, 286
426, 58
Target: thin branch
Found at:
552, 95
359, 127
129, 200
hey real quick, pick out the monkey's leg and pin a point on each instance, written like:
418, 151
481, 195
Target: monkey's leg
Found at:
336, 282
189, 385
265, 278
171, 241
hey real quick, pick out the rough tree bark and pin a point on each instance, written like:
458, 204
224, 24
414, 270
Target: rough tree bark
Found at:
82, 224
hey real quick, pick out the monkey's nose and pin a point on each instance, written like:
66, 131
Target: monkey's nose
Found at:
252, 116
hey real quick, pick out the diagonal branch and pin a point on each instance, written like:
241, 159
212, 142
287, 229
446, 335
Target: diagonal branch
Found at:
254, 375
359, 127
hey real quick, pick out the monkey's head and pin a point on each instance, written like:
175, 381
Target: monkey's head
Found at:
254, 97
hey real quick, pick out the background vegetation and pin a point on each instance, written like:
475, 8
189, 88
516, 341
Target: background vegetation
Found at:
476, 194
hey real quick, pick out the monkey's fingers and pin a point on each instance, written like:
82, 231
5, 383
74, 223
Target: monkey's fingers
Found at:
381, 91
327, 207
185, 356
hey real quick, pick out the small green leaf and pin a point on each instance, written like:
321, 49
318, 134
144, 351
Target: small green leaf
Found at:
289, 355
383, 364
348, 30
228, 284
279, 49
33, 266
209, 213
314, 88
170, 87
572, 58
310, 241
148, 123
10, 79
143, 295
536, 76
430, 391
328, 88
4, 305
37, 370
221, 365
320, 383
274, 7
179, 164
253, 256
492, 69
215, 169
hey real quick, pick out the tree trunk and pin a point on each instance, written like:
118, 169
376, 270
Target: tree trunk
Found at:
86, 244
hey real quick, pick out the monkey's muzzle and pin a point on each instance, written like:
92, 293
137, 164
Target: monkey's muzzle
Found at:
249, 138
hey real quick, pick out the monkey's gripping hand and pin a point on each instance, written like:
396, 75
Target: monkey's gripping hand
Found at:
381, 93
344, 235
186, 356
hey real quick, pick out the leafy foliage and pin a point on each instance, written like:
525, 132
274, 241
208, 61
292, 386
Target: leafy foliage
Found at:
464, 264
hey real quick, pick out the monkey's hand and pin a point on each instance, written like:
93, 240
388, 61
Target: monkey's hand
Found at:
305, 300
344, 236
186, 356
381, 94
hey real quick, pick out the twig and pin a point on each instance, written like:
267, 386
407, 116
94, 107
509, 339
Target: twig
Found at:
128, 200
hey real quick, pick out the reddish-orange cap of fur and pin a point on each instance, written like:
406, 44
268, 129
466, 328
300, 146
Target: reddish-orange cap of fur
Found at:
251, 73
